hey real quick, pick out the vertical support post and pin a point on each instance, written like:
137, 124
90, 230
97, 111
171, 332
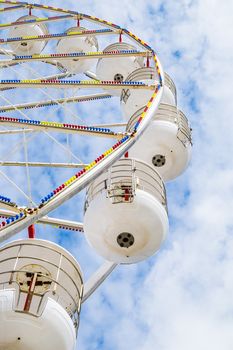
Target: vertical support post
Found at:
30, 11
31, 231
30, 293
127, 197
58, 273
15, 265
120, 37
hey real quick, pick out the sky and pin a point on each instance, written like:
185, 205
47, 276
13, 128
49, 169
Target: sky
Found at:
181, 298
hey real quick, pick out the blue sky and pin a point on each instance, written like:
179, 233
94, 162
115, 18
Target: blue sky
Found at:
181, 298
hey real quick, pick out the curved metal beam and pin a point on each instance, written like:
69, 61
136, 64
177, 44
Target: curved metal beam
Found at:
68, 192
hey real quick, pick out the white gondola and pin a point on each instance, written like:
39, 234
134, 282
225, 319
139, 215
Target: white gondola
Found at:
166, 144
133, 100
74, 45
40, 295
125, 214
117, 69
32, 29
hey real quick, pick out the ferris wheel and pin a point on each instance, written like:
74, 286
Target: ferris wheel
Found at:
59, 69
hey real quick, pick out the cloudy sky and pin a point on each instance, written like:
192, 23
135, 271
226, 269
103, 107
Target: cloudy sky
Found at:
181, 298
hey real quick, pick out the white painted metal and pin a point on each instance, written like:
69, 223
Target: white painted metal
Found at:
72, 84
6, 52
20, 131
112, 125
168, 137
55, 76
91, 75
13, 209
74, 45
40, 295
58, 101
47, 58
54, 330
27, 47
132, 101
139, 200
117, 69
130, 200
73, 225
97, 279
57, 36
84, 181
41, 164
46, 220
72, 129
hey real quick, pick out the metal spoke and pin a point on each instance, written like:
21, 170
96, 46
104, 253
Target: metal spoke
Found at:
50, 136
109, 125
78, 56
67, 84
53, 102
36, 20
6, 2
61, 128
76, 183
8, 204
17, 187
43, 164
46, 220
30, 202
20, 131
62, 224
12, 8
47, 94
57, 36
54, 76
83, 178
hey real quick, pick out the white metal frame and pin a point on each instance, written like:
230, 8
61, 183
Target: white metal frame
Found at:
39, 214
